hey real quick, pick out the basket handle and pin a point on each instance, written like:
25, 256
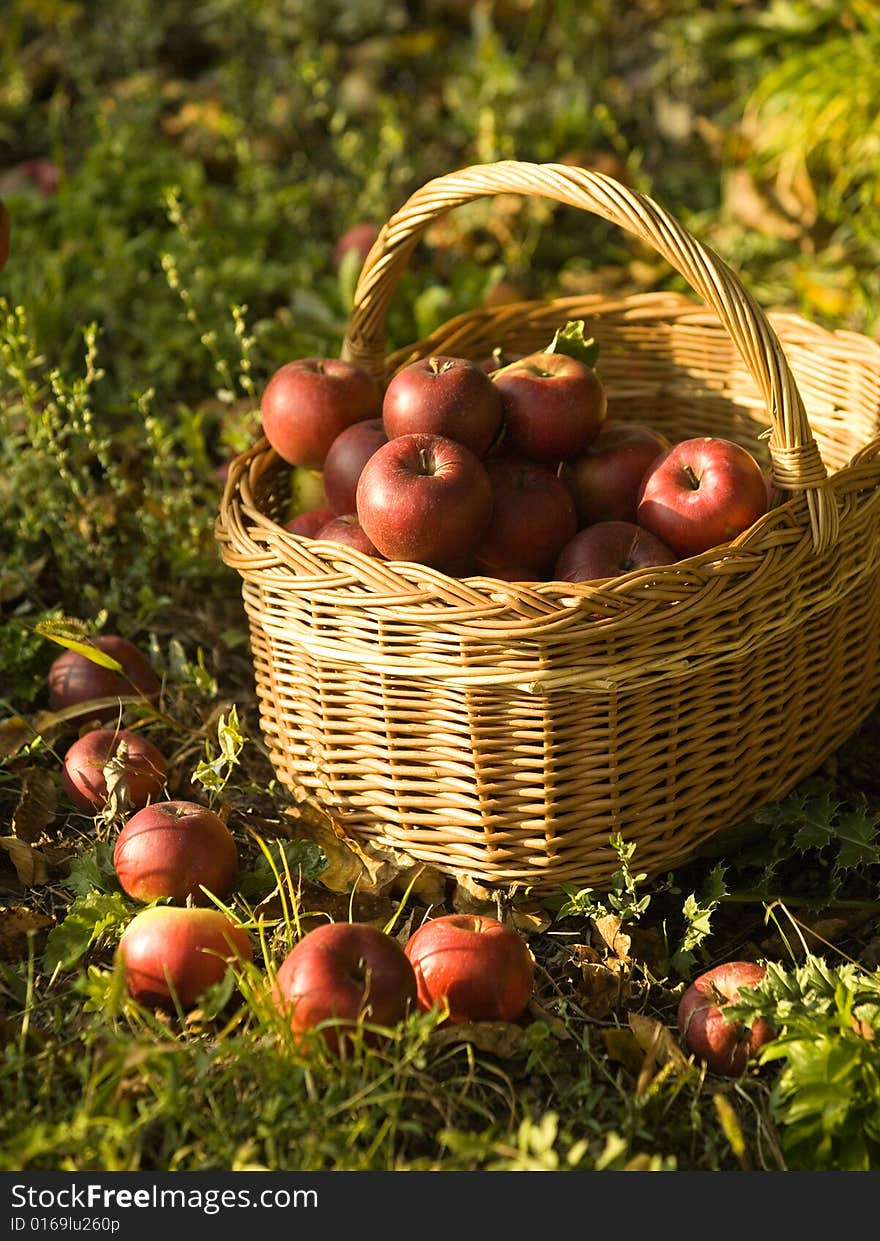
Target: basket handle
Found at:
797, 463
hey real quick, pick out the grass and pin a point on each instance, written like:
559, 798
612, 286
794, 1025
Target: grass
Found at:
209, 156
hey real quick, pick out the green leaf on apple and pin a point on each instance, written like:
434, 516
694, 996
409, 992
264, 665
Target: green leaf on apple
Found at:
571, 341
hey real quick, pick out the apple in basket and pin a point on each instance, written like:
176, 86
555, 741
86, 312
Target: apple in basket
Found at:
342, 974
700, 493
724, 1046
174, 849
478, 966
605, 478
307, 402
141, 765
609, 549
424, 498
309, 522
346, 458
171, 955
347, 530
533, 516
554, 405
446, 396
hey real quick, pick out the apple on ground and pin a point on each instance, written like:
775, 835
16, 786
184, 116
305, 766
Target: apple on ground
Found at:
358, 239
347, 530
424, 498
604, 480
173, 849
346, 458
307, 402
171, 955
76, 679
135, 760
347, 972
309, 522
533, 516
724, 1046
610, 549
478, 966
447, 396
701, 493
554, 405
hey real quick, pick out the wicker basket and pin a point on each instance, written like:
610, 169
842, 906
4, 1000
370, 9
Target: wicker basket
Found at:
505, 731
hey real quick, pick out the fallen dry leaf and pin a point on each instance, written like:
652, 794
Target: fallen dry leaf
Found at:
499, 1038
17, 925
605, 988
623, 1046
15, 733
30, 865
36, 806
658, 1040
617, 941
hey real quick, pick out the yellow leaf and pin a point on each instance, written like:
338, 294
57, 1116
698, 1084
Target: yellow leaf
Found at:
29, 863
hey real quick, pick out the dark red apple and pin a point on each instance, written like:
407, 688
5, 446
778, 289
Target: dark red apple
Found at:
533, 516
75, 679
724, 1046
424, 498
347, 530
609, 549
347, 971
141, 764
478, 966
701, 493
172, 849
309, 522
171, 954
446, 396
307, 402
359, 239
346, 457
553, 404
604, 480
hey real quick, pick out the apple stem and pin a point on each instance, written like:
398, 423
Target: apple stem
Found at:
425, 458
692, 477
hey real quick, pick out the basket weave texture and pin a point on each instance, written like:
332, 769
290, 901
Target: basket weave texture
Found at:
505, 731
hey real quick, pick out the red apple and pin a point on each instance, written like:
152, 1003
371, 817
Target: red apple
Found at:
141, 763
74, 679
480, 967
347, 529
608, 549
533, 516
172, 849
553, 404
724, 1046
604, 480
348, 971
346, 458
701, 493
169, 954
307, 402
445, 396
424, 498
309, 522
359, 238
5, 230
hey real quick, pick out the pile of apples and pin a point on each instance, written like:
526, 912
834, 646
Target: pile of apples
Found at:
182, 852
509, 469
340, 975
